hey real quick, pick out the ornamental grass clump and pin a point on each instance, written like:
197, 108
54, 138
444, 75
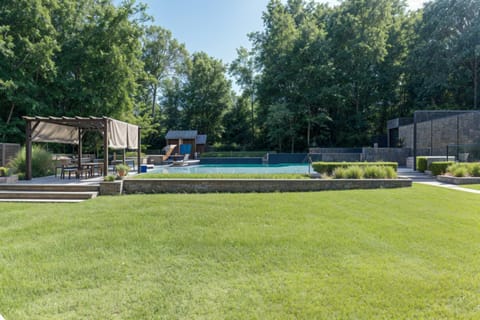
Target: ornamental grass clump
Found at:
474, 169
374, 172
461, 171
42, 164
4, 172
368, 172
464, 170
353, 172
389, 173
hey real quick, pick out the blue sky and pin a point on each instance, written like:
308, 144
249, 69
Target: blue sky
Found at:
217, 27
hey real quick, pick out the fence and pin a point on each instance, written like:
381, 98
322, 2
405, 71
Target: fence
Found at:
8, 152
464, 152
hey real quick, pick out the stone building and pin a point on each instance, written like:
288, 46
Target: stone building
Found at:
436, 133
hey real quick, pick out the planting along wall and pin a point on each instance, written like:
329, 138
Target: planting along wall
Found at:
255, 185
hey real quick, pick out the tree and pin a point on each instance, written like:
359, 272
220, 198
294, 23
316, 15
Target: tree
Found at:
27, 49
206, 96
243, 69
444, 60
359, 33
163, 59
236, 122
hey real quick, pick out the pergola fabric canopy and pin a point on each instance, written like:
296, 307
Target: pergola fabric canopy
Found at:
121, 135
69, 130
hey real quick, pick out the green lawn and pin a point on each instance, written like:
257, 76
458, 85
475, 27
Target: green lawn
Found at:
408, 253
471, 186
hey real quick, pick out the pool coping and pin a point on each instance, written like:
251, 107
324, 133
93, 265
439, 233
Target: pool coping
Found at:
153, 186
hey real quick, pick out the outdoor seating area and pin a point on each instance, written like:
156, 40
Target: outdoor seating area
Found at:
68, 167
117, 135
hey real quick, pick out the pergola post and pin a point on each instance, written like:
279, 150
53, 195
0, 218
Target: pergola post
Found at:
415, 141
28, 151
139, 149
79, 161
105, 147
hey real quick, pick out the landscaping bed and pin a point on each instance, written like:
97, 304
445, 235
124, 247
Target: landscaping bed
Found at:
461, 173
458, 180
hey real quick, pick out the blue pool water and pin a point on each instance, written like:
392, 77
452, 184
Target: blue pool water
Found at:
236, 168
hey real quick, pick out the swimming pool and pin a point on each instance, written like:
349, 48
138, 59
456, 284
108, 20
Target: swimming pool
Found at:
237, 168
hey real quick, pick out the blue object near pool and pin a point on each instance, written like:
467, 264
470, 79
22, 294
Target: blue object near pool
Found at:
185, 148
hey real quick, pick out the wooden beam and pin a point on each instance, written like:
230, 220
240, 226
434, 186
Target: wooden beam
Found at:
28, 151
105, 147
79, 162
139, 148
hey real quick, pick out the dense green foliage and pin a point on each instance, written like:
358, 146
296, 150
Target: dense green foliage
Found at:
364, 172
316, 75
409, 253
464, 169
42, 164
329, 167
439, 167
422, 164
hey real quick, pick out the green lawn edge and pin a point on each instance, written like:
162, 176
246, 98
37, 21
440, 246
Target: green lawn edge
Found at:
366, 254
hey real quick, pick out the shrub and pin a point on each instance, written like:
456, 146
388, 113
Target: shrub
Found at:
474, 169
109, 178
374, 172
365, 172
340, 173
439, 167
460, 171
134, 154
352, 172
122, 169
390, 173
3, 172
42, 164
451, 168
329, 167
422, 164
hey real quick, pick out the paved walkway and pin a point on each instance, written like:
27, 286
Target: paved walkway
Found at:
427, 179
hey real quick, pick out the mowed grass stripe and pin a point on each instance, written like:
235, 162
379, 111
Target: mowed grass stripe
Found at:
403, 253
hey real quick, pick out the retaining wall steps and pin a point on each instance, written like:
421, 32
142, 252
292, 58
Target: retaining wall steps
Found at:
46, 193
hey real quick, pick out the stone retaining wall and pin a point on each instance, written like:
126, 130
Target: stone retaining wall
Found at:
255, 185
458, 180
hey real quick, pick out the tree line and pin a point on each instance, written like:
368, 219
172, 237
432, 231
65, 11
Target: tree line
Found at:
316, 75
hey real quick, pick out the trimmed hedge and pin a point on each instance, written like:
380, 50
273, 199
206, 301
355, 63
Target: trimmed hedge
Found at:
439, 167
329, 167
422, 164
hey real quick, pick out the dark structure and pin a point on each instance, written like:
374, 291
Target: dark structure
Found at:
70, 130
186, 141
432, 132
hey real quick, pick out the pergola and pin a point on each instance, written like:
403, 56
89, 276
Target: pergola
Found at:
69, 130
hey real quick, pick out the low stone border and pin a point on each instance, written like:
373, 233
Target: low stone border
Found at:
111, 188
255, 185
9, 179
459, 180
